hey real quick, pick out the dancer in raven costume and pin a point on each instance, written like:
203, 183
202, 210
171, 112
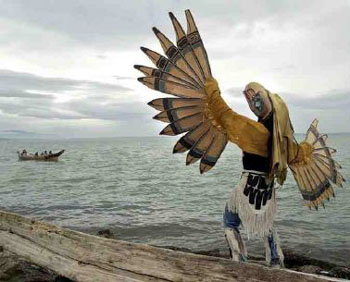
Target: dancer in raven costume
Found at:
268, 144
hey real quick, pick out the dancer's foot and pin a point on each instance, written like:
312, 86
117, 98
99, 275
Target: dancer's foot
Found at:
275, 263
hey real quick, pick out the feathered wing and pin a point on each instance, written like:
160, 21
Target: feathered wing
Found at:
314, 176
182, 73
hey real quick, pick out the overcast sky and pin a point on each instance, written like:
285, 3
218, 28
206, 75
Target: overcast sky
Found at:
66, 67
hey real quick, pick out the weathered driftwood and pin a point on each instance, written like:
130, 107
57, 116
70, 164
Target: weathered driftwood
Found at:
83, 257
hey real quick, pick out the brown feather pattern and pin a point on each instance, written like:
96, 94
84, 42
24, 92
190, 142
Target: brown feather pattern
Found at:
182, 73
314, 178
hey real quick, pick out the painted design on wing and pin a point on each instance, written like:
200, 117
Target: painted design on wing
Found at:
182, 73
315, 176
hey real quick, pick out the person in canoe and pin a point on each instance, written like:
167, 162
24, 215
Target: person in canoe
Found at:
41, 157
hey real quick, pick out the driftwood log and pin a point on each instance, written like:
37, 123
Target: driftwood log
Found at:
82, 257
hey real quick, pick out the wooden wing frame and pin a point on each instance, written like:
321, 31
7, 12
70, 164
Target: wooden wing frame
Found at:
182, 73
314, 176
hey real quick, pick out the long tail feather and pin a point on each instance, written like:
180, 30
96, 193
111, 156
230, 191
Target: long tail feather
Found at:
300, 180
163, 104
170, 87
317, 173
329, 162
175, 56
196, 42
329, 173
200, 147
312, 133
213, 154
326, 150
327, 159
182, 125
187, 141
147, 71
314, 177
166, 65
172, 115
309, 179
322, 138
329, 168
186, 48
182, 72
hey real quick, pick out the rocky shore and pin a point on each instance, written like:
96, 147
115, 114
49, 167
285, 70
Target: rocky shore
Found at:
15, 269
293, 261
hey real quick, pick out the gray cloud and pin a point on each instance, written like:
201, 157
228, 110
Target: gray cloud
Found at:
115, 25
106, 24
18, 131
9, 93
306, 42
339, 100
93, 105
20, 81
118, 77
98, 108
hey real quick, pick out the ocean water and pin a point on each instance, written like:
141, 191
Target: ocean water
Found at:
143, 193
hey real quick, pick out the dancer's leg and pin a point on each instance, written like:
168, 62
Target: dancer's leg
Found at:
273, 251
234, 240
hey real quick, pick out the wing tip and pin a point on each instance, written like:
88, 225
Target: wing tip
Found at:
144, 49
189, 16
138, 67
167, 132
204, 168
155, 30
160, 118
190, 159
178, 148
314, 123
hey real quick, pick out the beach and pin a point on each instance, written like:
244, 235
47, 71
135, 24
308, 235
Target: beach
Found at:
36, 251
142, 193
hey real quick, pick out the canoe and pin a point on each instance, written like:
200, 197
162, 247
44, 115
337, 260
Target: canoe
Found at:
31, 157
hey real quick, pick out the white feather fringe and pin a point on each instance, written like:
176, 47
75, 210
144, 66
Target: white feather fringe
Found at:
255, 222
